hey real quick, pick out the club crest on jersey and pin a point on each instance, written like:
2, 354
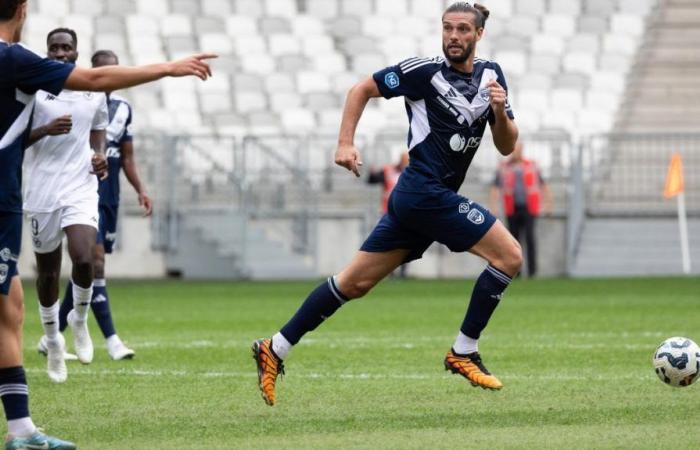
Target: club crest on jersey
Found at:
476, 217
392, 80
4, 271
485, 94
5, 254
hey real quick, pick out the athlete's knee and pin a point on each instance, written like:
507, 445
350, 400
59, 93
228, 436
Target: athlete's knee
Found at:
510, 258
354, 288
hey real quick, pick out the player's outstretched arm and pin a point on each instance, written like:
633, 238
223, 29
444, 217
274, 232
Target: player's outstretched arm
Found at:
504, 130
112, 78
347, 155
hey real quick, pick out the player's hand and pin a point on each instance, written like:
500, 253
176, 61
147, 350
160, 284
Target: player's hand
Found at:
99, 166
146, 204
193, 65
59, 126
497, 96
349, 157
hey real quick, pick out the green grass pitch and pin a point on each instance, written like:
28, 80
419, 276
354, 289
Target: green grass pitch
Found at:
574, 355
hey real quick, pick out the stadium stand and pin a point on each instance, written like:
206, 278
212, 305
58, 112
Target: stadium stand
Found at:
576, 68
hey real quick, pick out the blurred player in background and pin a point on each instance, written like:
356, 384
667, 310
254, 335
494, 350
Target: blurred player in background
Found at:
523, 194
23, 74
61, 198
120, 154
449, 102
388, 176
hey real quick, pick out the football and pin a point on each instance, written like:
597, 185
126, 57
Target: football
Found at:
677, 361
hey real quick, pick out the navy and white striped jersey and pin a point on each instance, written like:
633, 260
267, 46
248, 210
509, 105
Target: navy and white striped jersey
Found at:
447, 111
23, 73
118, 132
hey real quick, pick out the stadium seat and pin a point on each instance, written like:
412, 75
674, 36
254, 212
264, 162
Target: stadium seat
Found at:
283, 100
421, 8
209, 25
356, 7
398, 48
329, 63
248, 8
241, 25
559, 25
345, 26
391, 8
368, 63
377, 26
187, 7
308, 81
83, 26
280, 82
315, 44
248, 101
283, 8
109, 24
592, 24
298, 120
258, 64
176, 25
580, 62
283, 44
139, 25
627, 24
529, 7
568, 7
322, 9
618, 43
216, 8
545, 44
249, 45
54, 8
88, 7
248, 82
525, 26
154, 8
292, 63
305, 25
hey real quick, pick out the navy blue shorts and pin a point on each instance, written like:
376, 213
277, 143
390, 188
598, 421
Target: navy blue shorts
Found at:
416, 220
10, 242
107, 232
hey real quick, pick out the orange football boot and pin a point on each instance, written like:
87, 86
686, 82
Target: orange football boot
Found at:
471, 368
269, 367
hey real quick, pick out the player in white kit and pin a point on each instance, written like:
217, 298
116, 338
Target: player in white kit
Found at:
61, 198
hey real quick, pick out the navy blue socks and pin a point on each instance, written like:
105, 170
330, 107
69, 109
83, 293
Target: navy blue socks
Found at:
485, 297
14, 393
318, 306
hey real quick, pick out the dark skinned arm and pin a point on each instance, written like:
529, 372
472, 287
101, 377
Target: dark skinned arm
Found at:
132, 174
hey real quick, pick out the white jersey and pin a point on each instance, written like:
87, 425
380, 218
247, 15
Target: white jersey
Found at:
57, 168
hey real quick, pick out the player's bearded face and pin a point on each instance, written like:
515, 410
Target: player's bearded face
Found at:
459, 36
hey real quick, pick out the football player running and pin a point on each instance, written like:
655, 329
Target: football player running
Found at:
61, 198
120, 154
449, 101
23, 74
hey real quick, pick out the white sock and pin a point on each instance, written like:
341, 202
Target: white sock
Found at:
81, 301
49, 320
465, 345
23, 427
281, 346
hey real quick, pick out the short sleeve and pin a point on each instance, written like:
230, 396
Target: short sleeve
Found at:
502, 81
101, 119
33, 73
401, 80
127, 136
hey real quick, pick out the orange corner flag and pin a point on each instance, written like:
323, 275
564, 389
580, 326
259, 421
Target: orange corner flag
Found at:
674, 178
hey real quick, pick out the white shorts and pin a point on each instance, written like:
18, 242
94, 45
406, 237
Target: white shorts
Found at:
47, 228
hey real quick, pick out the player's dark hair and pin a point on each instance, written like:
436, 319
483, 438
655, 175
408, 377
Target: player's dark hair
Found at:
103, 54
480, 11
8, 9
64, 30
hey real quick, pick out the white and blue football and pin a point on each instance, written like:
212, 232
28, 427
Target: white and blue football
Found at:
677, 361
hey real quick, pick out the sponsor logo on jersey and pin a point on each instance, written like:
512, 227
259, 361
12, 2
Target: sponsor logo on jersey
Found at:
50, 97
464, 208
457, 142
476, 217
392, 80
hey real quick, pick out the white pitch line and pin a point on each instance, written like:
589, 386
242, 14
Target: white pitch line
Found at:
334, 375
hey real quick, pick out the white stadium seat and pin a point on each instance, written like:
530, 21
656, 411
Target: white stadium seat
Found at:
314, 44
176, 25
307, 25
391, 8
249, 44
323, 9
139, 25
283, 44
216, 43
240, 25
357, 7
580, 62
308, 81
329, 63
297, 120
378, 26
619, 43
247, 101
545, 44
628, 24
258, 64
155, 8
285, 8
283, 100
559, 24
219, 8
